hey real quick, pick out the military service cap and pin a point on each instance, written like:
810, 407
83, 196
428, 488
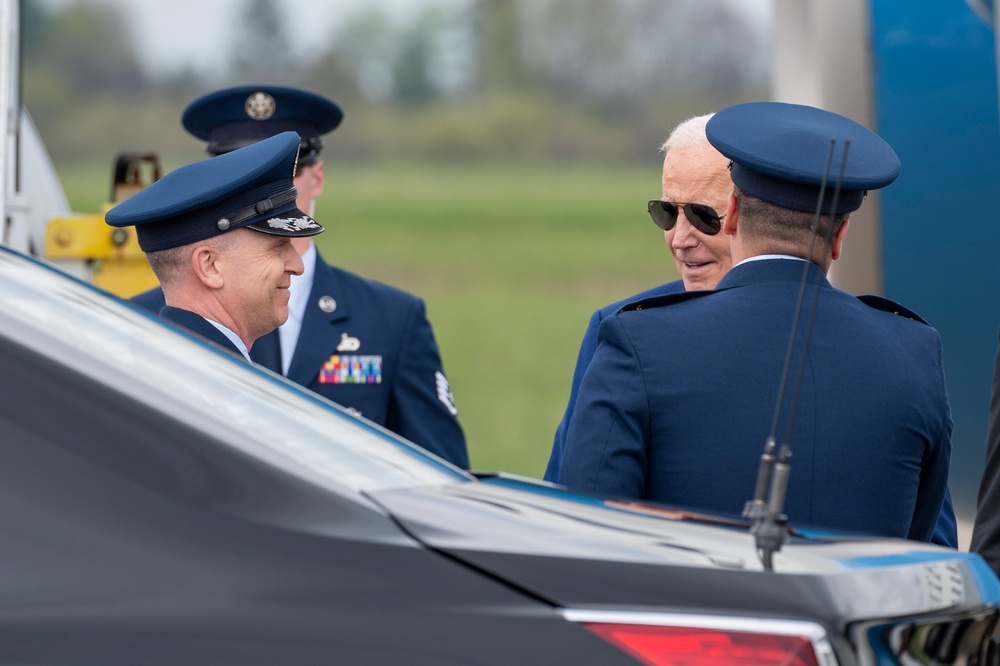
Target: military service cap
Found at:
250, 187
780, 151
235, 117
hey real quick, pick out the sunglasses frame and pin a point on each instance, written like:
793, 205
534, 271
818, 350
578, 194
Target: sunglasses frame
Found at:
702, 217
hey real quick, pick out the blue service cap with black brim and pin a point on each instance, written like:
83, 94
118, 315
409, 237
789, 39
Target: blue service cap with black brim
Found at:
779, 155
236, 117
250, 187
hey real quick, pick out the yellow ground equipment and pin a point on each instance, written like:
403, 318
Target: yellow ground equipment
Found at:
116, 263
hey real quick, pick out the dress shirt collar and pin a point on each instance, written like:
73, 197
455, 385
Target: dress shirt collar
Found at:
299, 290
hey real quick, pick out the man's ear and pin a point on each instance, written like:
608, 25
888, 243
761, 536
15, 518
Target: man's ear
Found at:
205, 262
732, 216
838, 241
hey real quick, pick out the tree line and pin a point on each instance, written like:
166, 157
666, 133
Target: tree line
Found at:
540, 80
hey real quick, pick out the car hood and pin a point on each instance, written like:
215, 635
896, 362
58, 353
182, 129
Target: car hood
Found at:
578, 551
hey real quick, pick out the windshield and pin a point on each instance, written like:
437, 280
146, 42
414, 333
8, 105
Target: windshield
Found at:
243, 406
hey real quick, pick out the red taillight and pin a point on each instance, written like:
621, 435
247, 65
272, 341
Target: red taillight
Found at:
694, 646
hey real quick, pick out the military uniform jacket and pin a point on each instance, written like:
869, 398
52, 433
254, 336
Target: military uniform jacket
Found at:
679, 399
369, 347
587, 348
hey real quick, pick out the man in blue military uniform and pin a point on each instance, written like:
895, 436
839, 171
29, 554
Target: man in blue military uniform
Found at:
695, 172
681, 394
363, 344
218, 235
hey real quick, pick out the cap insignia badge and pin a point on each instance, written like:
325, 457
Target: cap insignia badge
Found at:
290, 223
259, 106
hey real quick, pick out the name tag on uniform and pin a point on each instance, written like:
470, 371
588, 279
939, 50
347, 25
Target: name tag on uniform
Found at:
351, 369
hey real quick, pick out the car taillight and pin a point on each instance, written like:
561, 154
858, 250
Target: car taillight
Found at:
695, 646
692, 639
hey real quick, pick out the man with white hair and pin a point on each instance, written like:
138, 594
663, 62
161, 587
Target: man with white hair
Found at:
696, 174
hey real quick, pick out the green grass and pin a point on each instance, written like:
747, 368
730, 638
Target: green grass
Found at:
511, 261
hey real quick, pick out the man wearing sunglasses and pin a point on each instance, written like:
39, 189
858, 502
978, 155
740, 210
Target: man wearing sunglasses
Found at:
360, 343
696, 174
683, 390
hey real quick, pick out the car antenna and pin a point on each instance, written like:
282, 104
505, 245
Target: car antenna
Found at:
766, 509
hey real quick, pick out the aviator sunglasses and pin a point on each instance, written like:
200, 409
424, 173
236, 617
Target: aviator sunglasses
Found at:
702, 217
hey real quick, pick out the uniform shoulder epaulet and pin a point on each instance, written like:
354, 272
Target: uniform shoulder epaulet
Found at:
660, 301
884, 304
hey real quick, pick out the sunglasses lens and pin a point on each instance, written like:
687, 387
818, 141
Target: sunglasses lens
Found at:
703, 218
664, 213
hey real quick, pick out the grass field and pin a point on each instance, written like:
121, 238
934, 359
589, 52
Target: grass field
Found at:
511, 261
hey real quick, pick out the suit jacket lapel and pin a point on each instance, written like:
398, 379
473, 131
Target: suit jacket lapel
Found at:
316, 337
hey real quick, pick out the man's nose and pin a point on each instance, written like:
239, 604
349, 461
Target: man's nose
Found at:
685, 235
293, 260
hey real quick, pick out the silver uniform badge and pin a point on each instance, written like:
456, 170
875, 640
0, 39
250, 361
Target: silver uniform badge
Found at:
348, 343
327, 304
290, 223
260, 106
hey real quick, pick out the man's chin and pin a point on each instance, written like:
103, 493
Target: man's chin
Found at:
701, 278
280, 315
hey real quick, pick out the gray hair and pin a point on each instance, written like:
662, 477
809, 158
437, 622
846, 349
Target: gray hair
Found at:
689, 134
170, 265
167, 264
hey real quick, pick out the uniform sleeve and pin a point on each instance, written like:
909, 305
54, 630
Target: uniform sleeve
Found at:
421, 406
606, 442
946, 529
986, 532
583, 359
934, 470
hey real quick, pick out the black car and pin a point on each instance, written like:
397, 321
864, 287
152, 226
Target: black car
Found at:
162, 502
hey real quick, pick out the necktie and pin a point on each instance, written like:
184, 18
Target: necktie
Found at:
266, 351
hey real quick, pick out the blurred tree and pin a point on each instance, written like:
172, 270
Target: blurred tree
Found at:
538, 80
84, 85
87, 47
411, 83
424, 66
499, 35
365, 46
261, 46
621, 54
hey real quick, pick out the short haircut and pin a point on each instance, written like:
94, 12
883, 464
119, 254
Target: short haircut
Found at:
782, 229
169, 265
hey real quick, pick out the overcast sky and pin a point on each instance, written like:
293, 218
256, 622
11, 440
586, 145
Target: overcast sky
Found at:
179, 33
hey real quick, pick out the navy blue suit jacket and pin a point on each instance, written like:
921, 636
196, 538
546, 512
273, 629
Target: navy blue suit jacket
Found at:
381, 329
587, 348
679, 399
